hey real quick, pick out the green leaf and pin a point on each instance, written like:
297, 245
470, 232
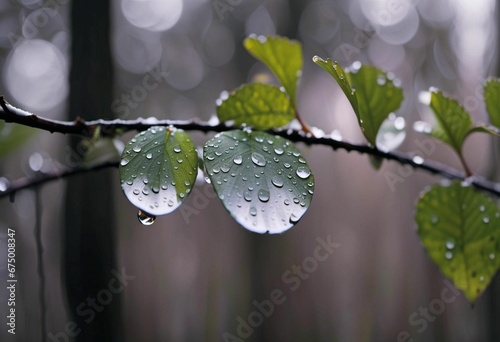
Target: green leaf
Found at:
460, 230
485, 128
492, 100
13, 136
158, 169
371, 92
261, 179
454, 123
261, 106
282, 56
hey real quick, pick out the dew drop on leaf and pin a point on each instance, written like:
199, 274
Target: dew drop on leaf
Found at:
263, 195
238, 160
303, 172
145, 218
277, 181
258, 159
448, 255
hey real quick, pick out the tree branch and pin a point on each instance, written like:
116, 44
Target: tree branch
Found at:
9, 113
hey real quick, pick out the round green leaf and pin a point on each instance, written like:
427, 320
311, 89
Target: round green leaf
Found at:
460, 230
158, 169
261, 179
261, 106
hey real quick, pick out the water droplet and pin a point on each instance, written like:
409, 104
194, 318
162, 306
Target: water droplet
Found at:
486, 219
253, 211
247, 196
177, 149
145, 218
136, 148
170, 203
225, 168
149, 156
278, 151
303, 172
155, 189
287, 201
207, 179
492, 256
448, 255
238, 160
294, 218
210, 158
187, 183
450, 244
277, 181
381, 80
124, 162
286, 165
145, 191
482, 208
481, 279
418, 160
258, 159
263, 195
136, 192
434, 219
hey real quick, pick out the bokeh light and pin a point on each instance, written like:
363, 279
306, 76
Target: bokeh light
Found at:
152, 15
35, 73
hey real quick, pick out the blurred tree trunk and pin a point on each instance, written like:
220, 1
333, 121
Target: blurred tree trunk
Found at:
89, 241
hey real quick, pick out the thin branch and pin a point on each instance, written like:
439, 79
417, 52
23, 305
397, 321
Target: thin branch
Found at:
9, 113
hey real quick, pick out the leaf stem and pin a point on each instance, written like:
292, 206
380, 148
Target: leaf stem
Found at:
303, 124
468, 172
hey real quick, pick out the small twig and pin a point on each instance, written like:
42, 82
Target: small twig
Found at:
109, 128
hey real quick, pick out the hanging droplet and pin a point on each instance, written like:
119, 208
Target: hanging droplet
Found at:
258, 159
145, 218
303, 172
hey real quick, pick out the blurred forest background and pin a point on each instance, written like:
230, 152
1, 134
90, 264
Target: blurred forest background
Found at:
197, 271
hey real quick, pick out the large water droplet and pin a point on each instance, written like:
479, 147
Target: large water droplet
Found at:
238, 160
247, 196
486, 219
4, 184
177, 149
136, 148
224, 168
149, 156
258, 159
263, 195
278, 151
124, 162
136, 192
145, 218
277, 181
294, 218
303, 172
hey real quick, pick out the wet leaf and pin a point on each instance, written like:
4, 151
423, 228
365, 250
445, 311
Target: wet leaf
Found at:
460, 230
454, 123
282, 56
371, 92
158, 169
261, 106
492, 100
13, 136
261, 179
